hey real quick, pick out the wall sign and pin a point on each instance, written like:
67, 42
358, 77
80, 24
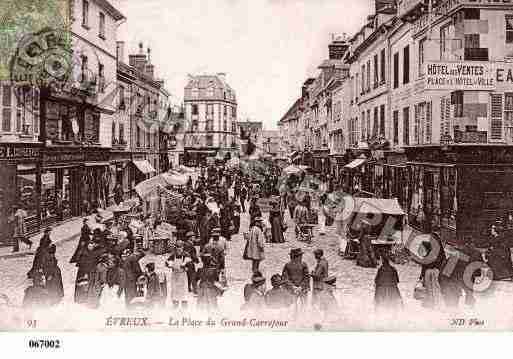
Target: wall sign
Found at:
10, 151
460, 76
475, 76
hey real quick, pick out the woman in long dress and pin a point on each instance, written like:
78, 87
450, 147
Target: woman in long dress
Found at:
277, 227
430, 274
178, 285
54, 278
387, 296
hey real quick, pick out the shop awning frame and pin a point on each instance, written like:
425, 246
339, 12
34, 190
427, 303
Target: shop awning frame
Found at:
144, 166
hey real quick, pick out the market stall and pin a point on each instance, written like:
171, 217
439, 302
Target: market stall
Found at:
379, 220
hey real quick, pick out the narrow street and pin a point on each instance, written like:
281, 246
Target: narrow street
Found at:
355, 286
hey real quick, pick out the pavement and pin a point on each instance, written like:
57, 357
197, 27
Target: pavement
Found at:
65, 231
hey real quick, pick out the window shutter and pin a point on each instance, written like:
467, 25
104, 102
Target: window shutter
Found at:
448, 125
496, 118
428, 123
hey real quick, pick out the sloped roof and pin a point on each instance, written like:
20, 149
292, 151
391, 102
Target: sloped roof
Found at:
206, 81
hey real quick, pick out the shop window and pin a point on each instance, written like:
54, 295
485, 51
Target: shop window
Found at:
27, 193
65, 194
48, 199
509, 29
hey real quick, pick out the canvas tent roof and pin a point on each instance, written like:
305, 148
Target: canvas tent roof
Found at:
378, 205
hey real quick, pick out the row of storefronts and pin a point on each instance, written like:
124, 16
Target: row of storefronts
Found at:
457, 192
53, 184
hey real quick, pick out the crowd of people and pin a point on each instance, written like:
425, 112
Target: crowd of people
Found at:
109, 258
111, 272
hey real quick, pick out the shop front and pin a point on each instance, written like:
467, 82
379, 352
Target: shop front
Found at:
74, 181
460, 191
19, 185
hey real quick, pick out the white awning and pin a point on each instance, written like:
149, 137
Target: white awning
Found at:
144, 166
355, 164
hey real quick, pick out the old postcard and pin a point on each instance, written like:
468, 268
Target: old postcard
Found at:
266, 165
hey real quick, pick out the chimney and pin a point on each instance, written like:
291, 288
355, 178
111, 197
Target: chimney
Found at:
120, 51
338, 48
139, 60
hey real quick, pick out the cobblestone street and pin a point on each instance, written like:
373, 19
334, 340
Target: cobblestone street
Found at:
355, 285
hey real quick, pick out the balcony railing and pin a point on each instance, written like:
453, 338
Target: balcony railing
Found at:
440, 9
470, 136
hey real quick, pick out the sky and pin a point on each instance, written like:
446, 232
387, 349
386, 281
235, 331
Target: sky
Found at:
267, 48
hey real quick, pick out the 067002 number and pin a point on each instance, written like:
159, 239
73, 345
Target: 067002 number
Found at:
44, 344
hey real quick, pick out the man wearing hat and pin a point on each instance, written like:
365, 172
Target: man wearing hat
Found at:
296, 275
254, 250
217, 248
319, 274
190, 251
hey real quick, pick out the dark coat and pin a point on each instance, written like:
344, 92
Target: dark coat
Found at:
387, 295
54, 282
277, 227
296, 274
320, 273
133, 271
225, 221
